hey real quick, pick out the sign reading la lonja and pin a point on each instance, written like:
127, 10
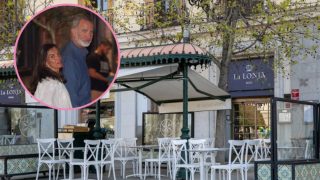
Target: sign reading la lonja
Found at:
253, 74
11, 92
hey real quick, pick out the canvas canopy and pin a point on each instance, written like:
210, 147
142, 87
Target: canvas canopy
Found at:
163, 85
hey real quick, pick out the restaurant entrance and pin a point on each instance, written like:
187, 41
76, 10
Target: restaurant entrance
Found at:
249, 117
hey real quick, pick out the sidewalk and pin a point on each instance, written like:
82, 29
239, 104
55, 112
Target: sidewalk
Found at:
93, 176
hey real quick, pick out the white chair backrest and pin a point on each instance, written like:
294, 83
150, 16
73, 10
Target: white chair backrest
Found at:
179, 148
236, 148
91, 150
164, 148
131, 142
108, 149
124, 149
196, 144
46, 149
266, 147
65, 143
251, 152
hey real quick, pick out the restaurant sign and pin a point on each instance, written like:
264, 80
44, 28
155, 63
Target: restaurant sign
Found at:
11, 92
248, 75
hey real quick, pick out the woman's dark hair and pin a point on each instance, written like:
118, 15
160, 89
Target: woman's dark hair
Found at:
41, 71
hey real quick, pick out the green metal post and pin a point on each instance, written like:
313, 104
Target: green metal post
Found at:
185, 129
97, 130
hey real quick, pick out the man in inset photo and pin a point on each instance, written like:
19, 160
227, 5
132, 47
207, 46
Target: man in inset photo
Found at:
99, 66
74, 55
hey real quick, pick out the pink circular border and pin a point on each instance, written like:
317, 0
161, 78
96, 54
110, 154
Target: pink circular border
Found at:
64, 5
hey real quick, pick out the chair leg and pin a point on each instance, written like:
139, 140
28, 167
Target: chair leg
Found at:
82, 172
110, 169
54, 171
38, 170
242, 176
64, 171
50, 169
159, 170
170, 169
145, 170
101, 171
229, 175
86, 172
98, 171
123, 169
174, 174
246, 174
114, 172
187, 177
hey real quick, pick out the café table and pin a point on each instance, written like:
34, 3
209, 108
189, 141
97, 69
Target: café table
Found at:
71, 150
202, 152
140, 150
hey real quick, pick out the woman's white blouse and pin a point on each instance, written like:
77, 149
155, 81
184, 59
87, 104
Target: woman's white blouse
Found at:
53, 93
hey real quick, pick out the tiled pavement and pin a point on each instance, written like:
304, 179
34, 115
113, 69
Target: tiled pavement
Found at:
93, 176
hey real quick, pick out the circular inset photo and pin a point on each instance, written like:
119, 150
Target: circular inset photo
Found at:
67, 57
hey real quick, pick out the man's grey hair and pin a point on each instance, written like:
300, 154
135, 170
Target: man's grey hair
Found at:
76, 19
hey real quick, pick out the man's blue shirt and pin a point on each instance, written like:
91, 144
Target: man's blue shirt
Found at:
75, 71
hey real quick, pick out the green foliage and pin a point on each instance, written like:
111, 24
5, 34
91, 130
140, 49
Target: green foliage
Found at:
13, 15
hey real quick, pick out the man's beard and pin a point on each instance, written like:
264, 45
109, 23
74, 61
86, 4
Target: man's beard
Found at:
84, 43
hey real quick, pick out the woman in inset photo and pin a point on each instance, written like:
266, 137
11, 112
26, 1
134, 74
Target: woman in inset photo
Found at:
47, 82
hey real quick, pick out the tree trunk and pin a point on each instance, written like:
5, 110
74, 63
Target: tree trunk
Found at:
228, 41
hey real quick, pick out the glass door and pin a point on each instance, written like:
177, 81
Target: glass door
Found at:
251, 118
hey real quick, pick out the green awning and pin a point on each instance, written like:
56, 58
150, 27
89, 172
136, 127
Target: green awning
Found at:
7, 68
165, 54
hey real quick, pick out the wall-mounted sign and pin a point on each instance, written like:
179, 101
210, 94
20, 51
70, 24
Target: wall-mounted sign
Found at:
11, 92
295, 94
251, 75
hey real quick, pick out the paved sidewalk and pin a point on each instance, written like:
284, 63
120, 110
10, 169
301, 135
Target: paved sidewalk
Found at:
93, 176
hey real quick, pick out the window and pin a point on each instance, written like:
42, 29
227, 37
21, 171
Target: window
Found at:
295, 131
249, 117
105, 7
251, 7
162, 13
11, 20
107, 114
164, 125
24, 125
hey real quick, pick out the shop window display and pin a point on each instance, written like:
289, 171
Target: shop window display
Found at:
107, 116
251, 119
24, 125
20, 128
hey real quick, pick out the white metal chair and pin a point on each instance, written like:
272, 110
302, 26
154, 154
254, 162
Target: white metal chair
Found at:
251, 155
237, 149
125, 154
108, 148
308, 154
163, 157
266, 148
46, 150
195, 144
64, 154
91, 158
179, 149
